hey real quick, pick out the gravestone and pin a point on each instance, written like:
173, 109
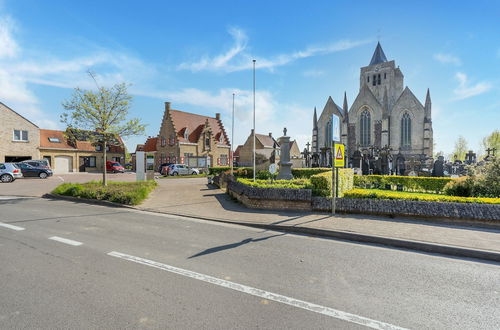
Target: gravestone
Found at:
285, 164
438, 167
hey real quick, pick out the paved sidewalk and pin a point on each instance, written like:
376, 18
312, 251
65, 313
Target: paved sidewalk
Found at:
193, 197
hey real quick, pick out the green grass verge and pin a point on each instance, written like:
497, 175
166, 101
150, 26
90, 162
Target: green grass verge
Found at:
389, 194
128, 193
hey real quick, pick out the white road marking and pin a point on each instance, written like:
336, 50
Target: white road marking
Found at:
65, 240
61, 178
353, 318
6, 225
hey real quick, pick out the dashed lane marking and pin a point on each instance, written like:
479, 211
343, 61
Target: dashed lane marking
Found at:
65, 240
6, 225
344, 316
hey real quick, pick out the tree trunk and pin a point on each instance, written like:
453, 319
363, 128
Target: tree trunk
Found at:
104, 180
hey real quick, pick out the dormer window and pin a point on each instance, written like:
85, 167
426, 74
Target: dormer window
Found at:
98, 147
221, 139
54, 140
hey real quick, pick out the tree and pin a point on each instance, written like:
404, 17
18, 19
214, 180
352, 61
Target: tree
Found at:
103, 115
460, 149
492, 141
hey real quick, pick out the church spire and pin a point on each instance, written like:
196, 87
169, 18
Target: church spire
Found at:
378, 55
315, 119
428, 104
344, 107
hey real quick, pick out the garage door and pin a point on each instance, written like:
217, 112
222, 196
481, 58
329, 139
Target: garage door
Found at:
64, 164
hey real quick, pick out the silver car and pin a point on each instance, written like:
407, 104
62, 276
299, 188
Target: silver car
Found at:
9, 172
181, 169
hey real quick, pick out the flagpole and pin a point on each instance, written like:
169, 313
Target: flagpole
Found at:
232, 141
254, 120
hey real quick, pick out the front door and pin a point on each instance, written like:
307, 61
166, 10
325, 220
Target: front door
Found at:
81, 167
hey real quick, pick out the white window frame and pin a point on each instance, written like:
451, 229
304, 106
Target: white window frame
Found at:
20, 135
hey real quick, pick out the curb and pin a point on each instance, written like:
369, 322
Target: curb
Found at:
442, 249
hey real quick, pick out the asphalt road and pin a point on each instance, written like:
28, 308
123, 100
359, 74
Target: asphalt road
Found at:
124, 268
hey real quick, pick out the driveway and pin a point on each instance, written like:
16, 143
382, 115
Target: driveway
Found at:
36, 187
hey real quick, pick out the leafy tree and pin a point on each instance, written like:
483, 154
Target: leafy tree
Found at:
103, 115
460, 149
492, 141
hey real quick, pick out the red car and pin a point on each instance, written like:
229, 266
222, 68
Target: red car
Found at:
114, 167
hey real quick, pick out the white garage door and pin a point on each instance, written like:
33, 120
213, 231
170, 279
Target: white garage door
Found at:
64, 164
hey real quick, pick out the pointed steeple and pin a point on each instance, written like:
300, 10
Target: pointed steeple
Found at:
428, 104
378, 55
344, 107
315, 120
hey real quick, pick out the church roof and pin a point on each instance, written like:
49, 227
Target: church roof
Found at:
378, 55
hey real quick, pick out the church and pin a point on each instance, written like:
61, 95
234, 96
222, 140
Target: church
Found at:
384, 127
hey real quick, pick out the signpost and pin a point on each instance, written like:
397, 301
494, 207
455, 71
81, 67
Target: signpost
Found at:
335, 138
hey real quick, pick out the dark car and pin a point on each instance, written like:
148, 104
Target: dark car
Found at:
161, 166
31, 171
38, 163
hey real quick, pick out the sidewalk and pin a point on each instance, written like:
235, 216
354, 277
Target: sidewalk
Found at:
193, 197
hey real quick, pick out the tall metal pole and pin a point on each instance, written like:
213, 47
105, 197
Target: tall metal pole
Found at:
254, 120
232, 141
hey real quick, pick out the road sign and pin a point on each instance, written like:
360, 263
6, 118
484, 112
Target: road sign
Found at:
339, 155
273, 168
335, 128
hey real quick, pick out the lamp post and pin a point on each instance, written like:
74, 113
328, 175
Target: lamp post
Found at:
254, 120
232, 140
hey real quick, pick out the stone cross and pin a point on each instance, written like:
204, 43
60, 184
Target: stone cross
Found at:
307, 145
284, 131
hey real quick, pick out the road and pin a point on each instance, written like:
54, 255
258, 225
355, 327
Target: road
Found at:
73, 265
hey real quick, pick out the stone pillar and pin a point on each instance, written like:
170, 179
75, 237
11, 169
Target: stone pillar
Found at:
285, 164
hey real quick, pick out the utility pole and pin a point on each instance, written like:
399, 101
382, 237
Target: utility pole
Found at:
254, 120
232, 140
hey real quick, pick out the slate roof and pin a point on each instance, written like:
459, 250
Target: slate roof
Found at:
378, 56
194, 124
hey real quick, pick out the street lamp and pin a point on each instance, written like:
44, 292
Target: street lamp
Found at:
232, 140
254, 120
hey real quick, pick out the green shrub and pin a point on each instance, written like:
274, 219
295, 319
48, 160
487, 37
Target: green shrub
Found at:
460, 187
263, 175
306, 173
129, 193
409, 183
388, 194
219, 169
322, 183
290, 184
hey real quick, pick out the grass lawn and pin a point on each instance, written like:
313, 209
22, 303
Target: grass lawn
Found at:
428, 197
129, 193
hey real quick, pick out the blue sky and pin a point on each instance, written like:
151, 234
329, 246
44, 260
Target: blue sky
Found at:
196, 54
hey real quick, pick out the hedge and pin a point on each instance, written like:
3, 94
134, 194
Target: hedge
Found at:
306, 173
322, 183
409, 183
387, 194
129, 193
291, 184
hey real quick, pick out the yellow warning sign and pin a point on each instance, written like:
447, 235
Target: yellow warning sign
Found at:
339, 155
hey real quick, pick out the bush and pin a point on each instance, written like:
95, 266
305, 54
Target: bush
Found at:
306, 173
460, 187
409, 183
290, 184
129, 193
322, 183
387, 194
218, 170
483, 182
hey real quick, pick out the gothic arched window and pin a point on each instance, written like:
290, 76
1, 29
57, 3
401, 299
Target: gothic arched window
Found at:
406, 131
328, 134
364, 128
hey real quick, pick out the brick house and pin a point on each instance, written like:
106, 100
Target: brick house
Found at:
19, 137
76, 156
266, 150
191, 139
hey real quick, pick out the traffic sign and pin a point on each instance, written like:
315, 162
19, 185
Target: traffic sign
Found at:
339, 155
335, 128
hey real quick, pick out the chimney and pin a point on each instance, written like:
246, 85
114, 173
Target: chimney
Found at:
167, 106
251, 132
271, 135
217, 116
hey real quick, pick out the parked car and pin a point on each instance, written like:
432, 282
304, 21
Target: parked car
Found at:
181, 169
114, 167
43, 163
32, 171
9, 172
161, 167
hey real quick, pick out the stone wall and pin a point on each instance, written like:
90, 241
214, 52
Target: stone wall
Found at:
303, 200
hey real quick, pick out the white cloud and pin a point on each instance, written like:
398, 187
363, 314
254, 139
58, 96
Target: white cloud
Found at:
313, 73
8, 46
448, 59
465, 90
238, 59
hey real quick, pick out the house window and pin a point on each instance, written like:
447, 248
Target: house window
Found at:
378, 79
223, 160
406, 131
54, 140
48, 159
20, 135
364, 128
107, 148
207, 141
163, 141
374, 82
90, 161
171, 140
98, 147
115, 159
